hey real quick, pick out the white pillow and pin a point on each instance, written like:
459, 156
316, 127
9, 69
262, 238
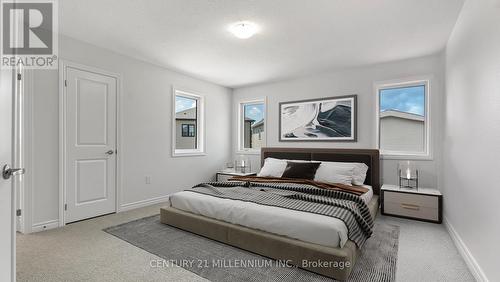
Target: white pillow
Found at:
275, 167
272, 168
359, 175
359, 171
330, 172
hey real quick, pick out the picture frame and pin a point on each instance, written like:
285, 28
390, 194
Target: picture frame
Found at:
320, 119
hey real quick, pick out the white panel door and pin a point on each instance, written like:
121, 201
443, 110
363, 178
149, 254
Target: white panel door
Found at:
6, 196
90, 144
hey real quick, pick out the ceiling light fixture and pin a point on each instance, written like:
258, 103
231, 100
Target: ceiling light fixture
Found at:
243, 30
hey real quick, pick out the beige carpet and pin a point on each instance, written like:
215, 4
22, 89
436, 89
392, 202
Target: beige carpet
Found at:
83, 252
376, 263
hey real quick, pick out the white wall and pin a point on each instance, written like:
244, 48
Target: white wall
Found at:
472, 135
358, 81
147, 101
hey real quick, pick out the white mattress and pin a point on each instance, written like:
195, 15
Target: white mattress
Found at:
308, 227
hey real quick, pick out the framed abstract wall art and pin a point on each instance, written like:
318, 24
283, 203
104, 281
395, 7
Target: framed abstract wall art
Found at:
325, 119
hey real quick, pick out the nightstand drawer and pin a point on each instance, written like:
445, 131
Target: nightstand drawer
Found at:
411, 210
423, 204
411, 199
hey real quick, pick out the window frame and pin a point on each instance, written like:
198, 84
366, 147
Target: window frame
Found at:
426, 154
200, 124
241, 115
193, 133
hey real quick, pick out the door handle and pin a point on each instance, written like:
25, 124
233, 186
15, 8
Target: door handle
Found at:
110, 152
7, 172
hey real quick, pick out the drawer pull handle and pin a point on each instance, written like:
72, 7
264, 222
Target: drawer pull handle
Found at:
410, 207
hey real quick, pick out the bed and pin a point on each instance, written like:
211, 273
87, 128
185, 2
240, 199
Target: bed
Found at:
289, 235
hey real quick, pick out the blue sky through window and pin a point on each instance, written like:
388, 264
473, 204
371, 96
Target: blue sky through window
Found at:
183, 103
405, 99
254, 111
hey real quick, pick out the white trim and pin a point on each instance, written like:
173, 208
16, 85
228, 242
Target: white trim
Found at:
18, 147
200, 130
28, 152
62, 141
13, 201
427, 154
119, 143
46, 225
240, 124
144, 203
63, 65
471, 262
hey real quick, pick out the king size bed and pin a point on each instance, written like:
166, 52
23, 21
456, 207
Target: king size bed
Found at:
319, 224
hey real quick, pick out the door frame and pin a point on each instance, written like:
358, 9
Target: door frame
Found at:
27, 152
19, 144
63, 65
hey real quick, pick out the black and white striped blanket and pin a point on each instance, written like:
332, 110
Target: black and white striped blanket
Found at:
349, 208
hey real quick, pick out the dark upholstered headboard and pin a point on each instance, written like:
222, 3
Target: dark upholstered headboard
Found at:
368, 156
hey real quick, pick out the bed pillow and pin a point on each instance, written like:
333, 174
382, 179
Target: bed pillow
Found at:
301, 170
272, 168
332, 173
359, 175
359, 171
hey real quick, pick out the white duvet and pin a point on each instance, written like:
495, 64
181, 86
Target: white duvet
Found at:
304, 226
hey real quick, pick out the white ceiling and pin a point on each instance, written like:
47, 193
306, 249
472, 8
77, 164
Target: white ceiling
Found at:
297, 37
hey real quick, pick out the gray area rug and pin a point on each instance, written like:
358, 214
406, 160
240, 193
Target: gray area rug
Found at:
220, 262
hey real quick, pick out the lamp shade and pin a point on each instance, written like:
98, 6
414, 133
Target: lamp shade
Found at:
242, 164
408, 170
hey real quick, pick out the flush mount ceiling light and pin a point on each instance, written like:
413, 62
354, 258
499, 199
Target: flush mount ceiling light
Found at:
243, 30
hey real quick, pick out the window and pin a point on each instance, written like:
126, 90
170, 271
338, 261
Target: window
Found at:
403, 122
187, 137
252, 126
188, 130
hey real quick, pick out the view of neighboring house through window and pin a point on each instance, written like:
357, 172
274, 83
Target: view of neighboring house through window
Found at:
188, 130
403, 119
186, 120
252, 126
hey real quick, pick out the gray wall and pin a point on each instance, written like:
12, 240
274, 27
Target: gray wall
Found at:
147, 115
358, 81
472, 134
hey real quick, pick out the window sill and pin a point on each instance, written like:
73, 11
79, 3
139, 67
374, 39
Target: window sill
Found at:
411, 157
248, 152
188, 154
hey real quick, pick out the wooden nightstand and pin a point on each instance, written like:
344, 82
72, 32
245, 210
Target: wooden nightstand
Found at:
424, 204
224, 175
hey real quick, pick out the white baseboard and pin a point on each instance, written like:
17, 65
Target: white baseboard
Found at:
143, 203
51, 224
471, 262
46, 225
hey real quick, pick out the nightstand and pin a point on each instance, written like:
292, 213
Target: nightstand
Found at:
424, 204
224, 175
